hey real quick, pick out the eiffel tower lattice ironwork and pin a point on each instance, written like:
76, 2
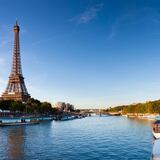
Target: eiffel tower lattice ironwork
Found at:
16, 89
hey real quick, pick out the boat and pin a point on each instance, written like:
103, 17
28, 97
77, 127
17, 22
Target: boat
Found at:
65, 118
45, 119
156, 150
80, 117
156, 129
22, 122
149, 117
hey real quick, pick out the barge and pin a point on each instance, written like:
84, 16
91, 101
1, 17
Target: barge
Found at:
22, 122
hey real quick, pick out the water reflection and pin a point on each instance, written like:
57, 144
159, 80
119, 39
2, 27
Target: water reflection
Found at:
144, 122
15, 143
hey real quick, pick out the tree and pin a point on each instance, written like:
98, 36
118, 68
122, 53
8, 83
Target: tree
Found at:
5, 104
46, 108
33, 106
17, 106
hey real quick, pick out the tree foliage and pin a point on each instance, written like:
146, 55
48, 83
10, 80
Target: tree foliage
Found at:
148, 107
32, 106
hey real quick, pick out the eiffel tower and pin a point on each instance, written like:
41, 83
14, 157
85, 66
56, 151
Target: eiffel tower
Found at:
16, 89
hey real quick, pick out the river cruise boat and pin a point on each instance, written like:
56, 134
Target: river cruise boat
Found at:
156, 150
22, 122
156, 129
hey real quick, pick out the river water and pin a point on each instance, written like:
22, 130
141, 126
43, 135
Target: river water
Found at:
91, 138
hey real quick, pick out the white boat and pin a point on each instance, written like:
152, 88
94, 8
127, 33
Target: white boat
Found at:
156, 129
156, 150
149, 117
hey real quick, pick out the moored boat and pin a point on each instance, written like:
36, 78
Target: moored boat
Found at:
156, 129
45, 119
149, 117
65, 118
23, 122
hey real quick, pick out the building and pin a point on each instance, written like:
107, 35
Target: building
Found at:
62, 106
16, 89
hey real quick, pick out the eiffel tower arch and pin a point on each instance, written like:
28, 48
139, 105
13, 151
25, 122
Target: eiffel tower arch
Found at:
16, 89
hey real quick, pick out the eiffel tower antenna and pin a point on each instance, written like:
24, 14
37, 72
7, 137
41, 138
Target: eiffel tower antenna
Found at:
16, 89
16, 21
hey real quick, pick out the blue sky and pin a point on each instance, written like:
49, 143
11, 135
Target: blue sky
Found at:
91, 53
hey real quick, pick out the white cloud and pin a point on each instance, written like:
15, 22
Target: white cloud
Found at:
88, 14
117, 23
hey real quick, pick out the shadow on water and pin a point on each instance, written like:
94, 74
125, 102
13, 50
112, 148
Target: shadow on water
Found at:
15, 143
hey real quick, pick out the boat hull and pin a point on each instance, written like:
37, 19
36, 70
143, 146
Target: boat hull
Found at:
156, 150
18, 124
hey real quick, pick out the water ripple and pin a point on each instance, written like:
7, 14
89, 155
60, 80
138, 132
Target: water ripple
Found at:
92, 138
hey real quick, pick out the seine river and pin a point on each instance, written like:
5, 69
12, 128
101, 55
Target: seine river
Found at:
91, 138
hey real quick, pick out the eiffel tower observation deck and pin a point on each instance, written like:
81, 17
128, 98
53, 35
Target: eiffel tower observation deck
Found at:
16, 89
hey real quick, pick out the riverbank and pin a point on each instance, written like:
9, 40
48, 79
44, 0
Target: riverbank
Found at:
135, 115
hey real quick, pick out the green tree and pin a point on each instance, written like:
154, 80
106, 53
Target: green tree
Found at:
17, 106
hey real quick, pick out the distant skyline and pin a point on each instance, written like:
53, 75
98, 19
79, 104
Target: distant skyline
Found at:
91, 53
